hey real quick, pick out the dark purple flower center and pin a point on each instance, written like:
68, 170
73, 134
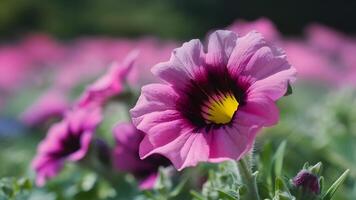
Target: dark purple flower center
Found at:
212, 98
69, 144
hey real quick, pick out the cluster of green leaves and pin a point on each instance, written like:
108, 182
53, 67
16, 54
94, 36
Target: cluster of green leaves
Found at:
226, 182
14, 189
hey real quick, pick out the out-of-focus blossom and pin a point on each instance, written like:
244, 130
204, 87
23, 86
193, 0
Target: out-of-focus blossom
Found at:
337, 49
311, 65
213, 103
14, 68
261, 25
126, 156
153, 52
51, 104
109, 85
68, 140
42, 49
325, 39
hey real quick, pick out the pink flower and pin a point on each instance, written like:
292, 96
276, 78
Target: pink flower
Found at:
325, 39
262, 25
109, 85
13, 68
213, 103
310, 63
43, 49
126, 156
155, 51
68, 140
51, 104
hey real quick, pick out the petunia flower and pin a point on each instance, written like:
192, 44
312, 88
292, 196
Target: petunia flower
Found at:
213, 102
68, 140
51, 104
262, 25
126, 156
109, 85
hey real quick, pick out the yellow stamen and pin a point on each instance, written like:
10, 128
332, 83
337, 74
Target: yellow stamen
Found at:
220, 108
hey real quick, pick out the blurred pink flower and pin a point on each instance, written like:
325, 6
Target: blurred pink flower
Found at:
311, 64
68, 140
89, 58
212, 103
109, 85
14, 68
52, 104
325, 39
126, 156
153, 51
261, 25
337, 49
42, 49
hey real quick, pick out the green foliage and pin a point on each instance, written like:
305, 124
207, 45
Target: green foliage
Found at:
14, 189
227, 182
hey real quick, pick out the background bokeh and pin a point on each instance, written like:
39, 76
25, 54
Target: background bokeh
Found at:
174, 19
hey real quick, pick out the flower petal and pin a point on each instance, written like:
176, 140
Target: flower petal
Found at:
184, 63
154, 98
221, 43
231, 142
261, 110
276, 85
188, 149
46, 168
245, 48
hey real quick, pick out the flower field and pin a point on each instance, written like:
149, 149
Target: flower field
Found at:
244, 112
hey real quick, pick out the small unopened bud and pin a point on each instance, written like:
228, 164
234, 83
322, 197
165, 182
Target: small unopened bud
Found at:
103, 151
307, 181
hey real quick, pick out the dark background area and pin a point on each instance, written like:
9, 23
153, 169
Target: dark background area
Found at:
176, 19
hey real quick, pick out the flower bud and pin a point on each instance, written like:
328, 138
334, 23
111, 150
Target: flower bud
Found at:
307, 181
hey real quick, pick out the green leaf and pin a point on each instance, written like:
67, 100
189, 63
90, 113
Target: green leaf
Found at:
321, 183
25, 183
331, 191
229, 195
281, 190
278, 159
178, 188
196, 195
316, 169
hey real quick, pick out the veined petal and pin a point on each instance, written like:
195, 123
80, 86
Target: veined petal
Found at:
184, 63
186, 150
220, 45
262, 107
276, 85
154, 98
245, 48
231, 143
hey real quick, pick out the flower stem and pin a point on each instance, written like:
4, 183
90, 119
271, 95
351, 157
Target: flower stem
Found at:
248, 178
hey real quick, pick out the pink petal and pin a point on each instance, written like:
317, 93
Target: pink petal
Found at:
188, 149
221, 43
154, 98
245, 48
165, 132
262, 107
184, 63
231, 142
149, 182
266, 62
276, 85
85, 142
